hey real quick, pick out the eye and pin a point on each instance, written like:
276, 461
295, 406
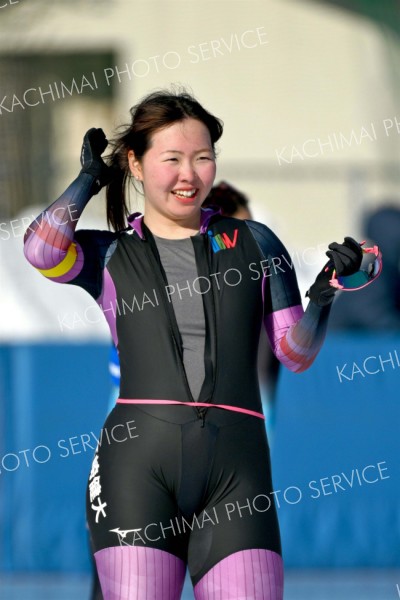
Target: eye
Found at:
171, 160
205, 158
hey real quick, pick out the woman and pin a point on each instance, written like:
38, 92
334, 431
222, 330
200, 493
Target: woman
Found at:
185, 291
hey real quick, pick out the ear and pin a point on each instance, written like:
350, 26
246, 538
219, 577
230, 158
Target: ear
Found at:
134, 166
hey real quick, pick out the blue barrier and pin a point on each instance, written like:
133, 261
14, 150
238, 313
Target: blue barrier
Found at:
53, 399
51, 396
337, 440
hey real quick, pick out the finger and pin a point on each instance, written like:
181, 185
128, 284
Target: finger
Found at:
333, 246
355, 246
89, 133
349, 252
352, 241
96, 134
99, 140
335, 259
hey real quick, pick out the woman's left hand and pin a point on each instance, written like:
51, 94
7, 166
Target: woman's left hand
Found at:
346, 258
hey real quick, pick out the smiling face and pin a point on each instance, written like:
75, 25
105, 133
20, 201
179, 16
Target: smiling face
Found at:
177, 172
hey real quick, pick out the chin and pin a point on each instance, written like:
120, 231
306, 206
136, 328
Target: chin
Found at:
187, 208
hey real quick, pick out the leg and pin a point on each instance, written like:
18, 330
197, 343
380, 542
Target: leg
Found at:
95, 593
235, 552
131, 508
137, 573
245, 575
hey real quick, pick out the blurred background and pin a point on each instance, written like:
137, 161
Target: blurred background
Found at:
309, 94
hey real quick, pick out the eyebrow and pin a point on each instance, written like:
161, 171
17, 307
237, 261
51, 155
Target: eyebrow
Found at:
197, 151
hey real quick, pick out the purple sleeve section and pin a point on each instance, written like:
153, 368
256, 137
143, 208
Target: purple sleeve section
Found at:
108, 304
135, 222
297, 336
279, 322
48, 237
206, 215
75, 270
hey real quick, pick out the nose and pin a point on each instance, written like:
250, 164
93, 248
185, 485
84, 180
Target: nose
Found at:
187, 171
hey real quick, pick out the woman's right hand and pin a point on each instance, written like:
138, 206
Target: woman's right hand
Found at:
94, 144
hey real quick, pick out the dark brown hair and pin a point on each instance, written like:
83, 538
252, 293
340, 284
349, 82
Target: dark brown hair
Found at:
227, 198
154, 112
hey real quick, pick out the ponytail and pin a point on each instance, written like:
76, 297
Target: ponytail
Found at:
117, 206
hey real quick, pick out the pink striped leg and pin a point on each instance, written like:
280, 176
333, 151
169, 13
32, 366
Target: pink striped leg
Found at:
245, 575
137, 573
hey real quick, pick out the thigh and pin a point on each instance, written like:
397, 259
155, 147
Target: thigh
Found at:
239, 513
245, 575
135, 573
131, 488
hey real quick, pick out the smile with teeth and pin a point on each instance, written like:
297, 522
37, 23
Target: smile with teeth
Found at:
185, 193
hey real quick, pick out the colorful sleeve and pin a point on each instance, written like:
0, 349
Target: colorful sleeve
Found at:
53, 248
295, 335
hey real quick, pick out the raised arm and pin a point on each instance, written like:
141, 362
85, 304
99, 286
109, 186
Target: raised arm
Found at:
49, 243
295, 335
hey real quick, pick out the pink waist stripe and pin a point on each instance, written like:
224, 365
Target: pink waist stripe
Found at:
253, 413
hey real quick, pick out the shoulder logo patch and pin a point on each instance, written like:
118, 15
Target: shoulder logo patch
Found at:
221, 241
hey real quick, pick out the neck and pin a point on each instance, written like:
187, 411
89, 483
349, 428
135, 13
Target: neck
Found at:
164, 227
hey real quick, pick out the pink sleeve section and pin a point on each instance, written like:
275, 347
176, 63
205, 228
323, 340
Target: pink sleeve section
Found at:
47, 240
295, 336
49, 236
109, 305
45, 244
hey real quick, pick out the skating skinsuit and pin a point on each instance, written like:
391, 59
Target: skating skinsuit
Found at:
172, 484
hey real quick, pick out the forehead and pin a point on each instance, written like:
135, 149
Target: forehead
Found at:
182, 135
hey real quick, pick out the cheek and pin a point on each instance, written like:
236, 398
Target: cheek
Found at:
206, 170
209, 172
159, 176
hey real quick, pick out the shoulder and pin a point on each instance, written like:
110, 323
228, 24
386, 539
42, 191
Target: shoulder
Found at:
220, 224
95, 242
96, 236
267, 240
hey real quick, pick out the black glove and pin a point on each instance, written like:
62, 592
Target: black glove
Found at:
345, 259
321, 292
94, 144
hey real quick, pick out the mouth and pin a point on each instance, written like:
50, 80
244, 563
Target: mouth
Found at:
185, 195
